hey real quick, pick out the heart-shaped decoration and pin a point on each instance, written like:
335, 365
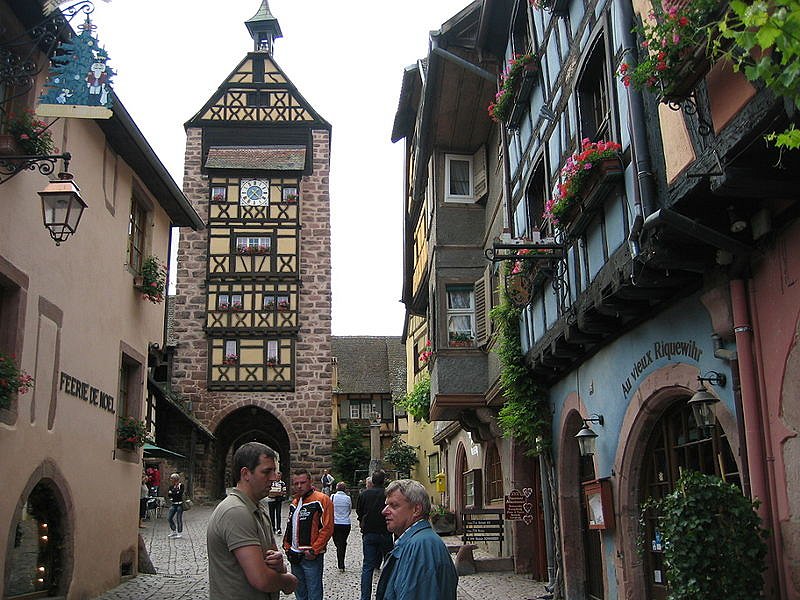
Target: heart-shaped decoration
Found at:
528, 519
527, 507
527, 492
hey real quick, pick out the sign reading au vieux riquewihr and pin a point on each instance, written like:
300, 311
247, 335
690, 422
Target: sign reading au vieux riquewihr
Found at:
666, 350
80, 389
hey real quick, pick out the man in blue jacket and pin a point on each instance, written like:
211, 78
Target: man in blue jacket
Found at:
419, 567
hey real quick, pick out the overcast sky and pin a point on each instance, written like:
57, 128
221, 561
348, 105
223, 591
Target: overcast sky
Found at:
346, 58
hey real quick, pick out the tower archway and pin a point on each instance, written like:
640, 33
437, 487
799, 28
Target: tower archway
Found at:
246, 424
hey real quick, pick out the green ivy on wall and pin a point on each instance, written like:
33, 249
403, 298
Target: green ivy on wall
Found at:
525, 415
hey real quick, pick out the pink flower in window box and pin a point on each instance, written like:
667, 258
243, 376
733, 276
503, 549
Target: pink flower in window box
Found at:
283, 305
230, 359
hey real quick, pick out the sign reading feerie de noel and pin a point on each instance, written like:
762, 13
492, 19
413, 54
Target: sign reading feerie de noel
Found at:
661, 349
80, 389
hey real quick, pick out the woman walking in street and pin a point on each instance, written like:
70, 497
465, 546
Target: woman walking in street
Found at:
175, 516
342, 506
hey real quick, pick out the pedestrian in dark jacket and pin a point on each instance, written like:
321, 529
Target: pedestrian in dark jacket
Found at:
375, 538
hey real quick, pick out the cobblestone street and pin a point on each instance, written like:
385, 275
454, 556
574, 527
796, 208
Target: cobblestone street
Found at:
182, 566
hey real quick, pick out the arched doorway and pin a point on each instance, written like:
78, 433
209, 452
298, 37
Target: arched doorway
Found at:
675, 444
38, 560
458, 479
247, 424
581, 546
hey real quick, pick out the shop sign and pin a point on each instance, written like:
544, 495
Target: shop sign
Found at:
660, 350
88, 393
518, 506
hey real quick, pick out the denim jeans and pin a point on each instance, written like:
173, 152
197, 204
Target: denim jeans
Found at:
175, 516
309, 578
375, 545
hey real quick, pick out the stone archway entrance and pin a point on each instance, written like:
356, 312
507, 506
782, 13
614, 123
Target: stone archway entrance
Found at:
38, 559
248, 424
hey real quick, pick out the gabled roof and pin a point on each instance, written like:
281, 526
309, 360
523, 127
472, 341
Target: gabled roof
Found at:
370, 365
257, 92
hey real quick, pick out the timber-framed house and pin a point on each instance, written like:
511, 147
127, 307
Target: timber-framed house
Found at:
258, 301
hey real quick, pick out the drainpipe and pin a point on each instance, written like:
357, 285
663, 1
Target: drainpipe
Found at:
644, 191
506, 186
755, 423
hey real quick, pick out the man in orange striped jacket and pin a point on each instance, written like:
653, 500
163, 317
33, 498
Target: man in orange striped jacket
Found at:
307, 533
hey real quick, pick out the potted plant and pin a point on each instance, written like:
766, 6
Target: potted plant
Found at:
29, 134
251, 250
713, 542
675, 47
131, 433
152, 280
269, 303
283, 305
596, 162
272, 361
218, 197
223, 306
443, 520
426, 355
230, 359
13, 380
510, 80
236, 306
460, 340
292, 198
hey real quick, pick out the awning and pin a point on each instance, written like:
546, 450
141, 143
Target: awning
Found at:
157, 451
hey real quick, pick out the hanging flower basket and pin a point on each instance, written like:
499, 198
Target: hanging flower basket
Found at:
521, 68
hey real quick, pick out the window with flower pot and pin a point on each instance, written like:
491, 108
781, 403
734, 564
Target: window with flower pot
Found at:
129, 395
279, 302
230, 355
251, 245
229, 302
290, 194
219, 193
460, 316
593, 94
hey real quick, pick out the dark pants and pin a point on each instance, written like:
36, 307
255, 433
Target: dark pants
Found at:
340, 533
275, 514
375, 546
142, 508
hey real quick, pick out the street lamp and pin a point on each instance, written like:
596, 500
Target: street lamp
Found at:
587, 438
62, 207
702, 402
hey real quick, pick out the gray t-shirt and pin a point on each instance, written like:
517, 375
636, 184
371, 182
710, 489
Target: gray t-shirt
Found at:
235, 523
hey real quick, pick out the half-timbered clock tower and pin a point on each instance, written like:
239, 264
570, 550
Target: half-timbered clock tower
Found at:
253, 308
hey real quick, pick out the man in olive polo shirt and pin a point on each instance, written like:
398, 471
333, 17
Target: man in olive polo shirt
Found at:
243, 560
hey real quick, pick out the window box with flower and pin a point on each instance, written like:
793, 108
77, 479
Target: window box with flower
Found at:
13, 380
283, 305
236, 306
460, 340
676, 44
516, 84
272, 361
152, 280
26, 135
131, 433
230, 359
252, 250
585, 180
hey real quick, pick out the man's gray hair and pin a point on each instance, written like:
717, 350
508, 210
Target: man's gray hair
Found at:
414, 492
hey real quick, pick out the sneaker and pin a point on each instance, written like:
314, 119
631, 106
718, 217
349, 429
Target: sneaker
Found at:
172, 534
178, 535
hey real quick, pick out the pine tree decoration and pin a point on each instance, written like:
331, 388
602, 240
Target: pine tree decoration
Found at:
79, 77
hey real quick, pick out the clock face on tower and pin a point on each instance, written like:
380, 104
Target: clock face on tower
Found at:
254, 192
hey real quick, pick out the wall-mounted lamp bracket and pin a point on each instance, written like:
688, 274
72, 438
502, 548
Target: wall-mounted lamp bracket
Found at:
714, 378
501, 252
46, 164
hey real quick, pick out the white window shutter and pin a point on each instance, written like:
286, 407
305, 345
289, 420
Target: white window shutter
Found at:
479, 173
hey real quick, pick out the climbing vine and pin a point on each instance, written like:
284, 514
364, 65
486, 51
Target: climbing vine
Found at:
526, 412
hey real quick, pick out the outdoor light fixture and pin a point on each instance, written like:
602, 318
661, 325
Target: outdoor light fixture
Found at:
702, 402
62, 207
737, 223
587, 438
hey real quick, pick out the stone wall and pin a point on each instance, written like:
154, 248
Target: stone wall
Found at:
305, 413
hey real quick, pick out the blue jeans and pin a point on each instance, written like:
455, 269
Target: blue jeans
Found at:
174, 516
309, 578
375, 545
